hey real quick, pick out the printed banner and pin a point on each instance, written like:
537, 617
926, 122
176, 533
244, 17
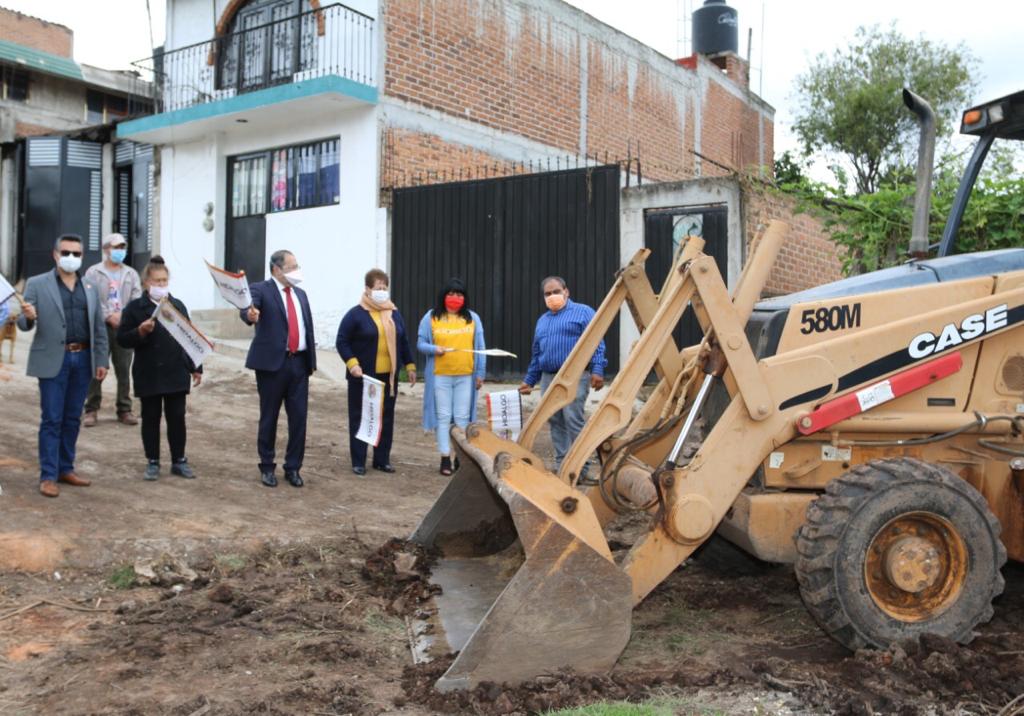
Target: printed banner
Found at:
373, 411
6, 289
234, 287
505, 413
191, 339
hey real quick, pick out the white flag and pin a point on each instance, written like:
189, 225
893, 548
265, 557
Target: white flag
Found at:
493, 352
6, 289
191, 339
234, 287
505, 413
373, 411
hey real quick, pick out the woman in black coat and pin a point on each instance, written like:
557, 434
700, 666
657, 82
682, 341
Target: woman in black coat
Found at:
162, 372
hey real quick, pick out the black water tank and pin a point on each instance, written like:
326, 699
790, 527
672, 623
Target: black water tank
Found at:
715, 28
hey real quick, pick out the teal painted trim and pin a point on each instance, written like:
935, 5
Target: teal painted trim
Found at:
251, 100
32, 59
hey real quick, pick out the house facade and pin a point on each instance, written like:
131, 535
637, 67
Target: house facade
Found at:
297, 124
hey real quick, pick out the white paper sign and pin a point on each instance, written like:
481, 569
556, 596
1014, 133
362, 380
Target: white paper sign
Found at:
875, 395
505, 413
6, 289
190, 338
234, 287
373, 411
776, 459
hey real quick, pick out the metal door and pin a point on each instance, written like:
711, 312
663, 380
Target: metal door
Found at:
664, 231
268, 44
502, 237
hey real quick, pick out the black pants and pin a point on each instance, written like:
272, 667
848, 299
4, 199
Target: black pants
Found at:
289, 385
173, 407
381, 453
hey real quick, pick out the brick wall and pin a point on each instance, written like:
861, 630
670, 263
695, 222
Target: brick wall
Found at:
35, 33
544, 71
808, 257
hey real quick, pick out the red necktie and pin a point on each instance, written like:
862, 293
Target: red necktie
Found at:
293, 322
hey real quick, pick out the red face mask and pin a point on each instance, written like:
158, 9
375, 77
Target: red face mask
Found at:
454, 303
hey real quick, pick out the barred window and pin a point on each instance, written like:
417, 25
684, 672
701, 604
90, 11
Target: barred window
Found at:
295, 177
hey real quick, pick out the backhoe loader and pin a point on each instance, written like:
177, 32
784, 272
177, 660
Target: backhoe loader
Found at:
869, 431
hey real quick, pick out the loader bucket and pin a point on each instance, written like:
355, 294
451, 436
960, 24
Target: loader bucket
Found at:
528, 582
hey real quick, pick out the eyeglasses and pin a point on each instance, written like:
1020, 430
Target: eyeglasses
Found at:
76, 254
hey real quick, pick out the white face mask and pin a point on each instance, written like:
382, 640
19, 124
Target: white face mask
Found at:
380, 295
70, 264
158, 293
293, 277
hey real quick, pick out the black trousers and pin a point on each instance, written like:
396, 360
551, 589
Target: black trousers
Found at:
172, 405
289, 385
381, 453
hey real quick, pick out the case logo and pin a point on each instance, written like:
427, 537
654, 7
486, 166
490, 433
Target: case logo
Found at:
977, 324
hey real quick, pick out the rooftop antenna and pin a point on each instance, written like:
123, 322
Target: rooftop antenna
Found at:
684, 27
760, 70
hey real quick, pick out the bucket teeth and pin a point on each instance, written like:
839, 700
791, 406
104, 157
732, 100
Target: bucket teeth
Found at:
528, 582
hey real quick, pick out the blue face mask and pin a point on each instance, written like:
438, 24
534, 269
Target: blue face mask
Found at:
117, 255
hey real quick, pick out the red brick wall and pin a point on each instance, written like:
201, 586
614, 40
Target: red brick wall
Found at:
35, 33
508, 67
808, 257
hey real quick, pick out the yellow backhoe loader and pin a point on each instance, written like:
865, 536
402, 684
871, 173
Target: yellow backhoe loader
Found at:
870, 432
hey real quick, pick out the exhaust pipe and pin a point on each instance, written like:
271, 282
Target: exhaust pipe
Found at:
925, 163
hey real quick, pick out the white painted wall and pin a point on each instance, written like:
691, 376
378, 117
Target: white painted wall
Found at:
335, 245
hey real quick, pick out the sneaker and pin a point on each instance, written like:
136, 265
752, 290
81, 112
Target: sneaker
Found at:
181, 469
152, 471
89, 419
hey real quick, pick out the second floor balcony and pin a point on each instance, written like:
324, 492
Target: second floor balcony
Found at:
272, 57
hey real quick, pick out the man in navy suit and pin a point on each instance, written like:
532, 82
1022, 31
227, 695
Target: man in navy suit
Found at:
283, 354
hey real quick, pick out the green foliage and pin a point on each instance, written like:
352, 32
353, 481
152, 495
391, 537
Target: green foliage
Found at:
123, 577
875, 228
653, 707
788, 169
850, 103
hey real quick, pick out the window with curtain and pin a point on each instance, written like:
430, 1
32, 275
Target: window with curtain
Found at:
286, 178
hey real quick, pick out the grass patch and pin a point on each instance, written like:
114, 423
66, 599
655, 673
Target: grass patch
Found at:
653, 707
229, 563
123, 577
382, 623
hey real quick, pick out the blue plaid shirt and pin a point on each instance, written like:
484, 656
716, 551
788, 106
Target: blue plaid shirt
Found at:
554, 338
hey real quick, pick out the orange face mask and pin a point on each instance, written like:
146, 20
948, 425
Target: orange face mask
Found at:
555, 301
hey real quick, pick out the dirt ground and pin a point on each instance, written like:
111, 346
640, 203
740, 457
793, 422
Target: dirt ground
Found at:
284, 601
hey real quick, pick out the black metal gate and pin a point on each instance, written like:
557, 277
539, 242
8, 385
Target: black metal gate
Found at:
502, 237
664, 229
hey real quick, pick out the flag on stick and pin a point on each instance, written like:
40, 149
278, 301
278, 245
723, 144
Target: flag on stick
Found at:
373, 411
505, 413
234, 287
494, 352
191, 339
6, 289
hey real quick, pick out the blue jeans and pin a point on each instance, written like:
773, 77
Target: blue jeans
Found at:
61, 399
567, 423
453, 396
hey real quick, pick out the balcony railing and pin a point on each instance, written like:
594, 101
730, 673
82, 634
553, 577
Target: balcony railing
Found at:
333, 40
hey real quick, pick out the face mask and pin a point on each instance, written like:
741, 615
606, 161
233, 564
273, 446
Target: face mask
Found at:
293, 277
158, 293
454, 303
555, 301
380, 295
117, 255
69, 264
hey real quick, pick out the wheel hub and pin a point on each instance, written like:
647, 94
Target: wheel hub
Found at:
915, 566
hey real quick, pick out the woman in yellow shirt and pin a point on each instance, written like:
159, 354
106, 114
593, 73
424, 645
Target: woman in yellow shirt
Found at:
449, 333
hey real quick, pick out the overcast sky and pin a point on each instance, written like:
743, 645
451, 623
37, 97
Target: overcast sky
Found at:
793, 34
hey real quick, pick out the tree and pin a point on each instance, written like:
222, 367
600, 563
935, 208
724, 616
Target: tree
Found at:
851, 103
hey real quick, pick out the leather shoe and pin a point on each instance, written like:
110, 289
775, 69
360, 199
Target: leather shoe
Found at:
384, 468
267, 476
89, 419
49, 488
127, 418
359, 470
70, 478
293, 478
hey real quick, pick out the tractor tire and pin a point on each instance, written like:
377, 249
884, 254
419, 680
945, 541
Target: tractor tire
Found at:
896, 548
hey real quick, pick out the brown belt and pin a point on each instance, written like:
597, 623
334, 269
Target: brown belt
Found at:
76, 347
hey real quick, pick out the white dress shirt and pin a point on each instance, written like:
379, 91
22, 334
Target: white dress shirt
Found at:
298, 313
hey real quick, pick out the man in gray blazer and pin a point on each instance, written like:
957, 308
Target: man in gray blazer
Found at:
68, 349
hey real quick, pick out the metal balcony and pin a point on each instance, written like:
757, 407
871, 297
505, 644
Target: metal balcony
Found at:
331, 41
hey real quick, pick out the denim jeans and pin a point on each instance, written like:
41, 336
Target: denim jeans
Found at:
61, 399
567, 423
453, 396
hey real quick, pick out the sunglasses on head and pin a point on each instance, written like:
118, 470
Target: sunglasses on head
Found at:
66, 252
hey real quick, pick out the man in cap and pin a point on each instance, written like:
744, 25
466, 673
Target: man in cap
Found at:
117, 285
